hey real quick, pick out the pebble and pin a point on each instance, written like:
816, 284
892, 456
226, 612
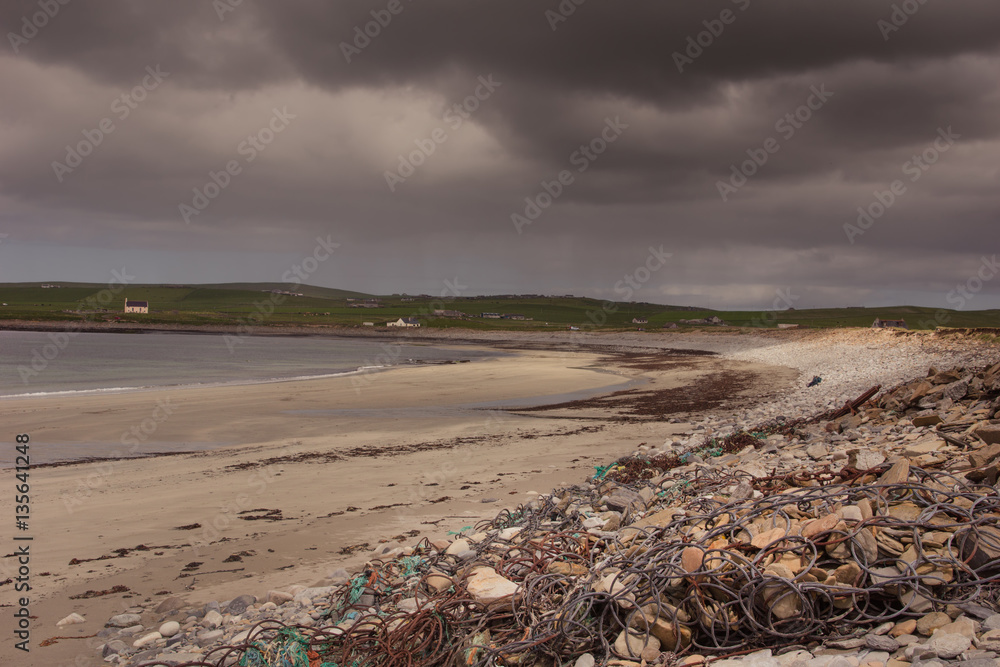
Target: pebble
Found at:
169, 629
72, 619
146, 640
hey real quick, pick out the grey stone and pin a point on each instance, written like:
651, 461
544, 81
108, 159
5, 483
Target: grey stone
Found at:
585, 660
848, 644
881, 643
622, 500
172, 603
209, 637
239, 605
124, 620
992, 622
114, 647
948, 646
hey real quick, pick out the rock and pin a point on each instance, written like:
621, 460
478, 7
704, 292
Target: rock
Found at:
438, 582
167, 605
113, 647
926, 625
671, 639
816, 452
992, 622
124, 620
960, 626
209, 637
864, 459
847, 644
337, 577
279, 597
821, 525
984, 455
585, 660
72, 619
989, 433
629, 645
169, 629
213, 619
458, 546
922, 447
487, 587
956, 391
146, 640
906, 627
949, 646
897, 474
692, 558
239, 605
567, 569
881, 643
929, 419
624, 500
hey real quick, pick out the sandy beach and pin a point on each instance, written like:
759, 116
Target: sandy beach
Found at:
284, 482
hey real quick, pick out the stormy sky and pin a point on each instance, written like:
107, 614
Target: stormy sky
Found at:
730, 154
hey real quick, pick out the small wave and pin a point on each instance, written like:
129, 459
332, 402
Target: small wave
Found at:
188, 385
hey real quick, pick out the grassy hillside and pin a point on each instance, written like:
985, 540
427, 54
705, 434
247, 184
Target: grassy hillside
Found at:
242, 302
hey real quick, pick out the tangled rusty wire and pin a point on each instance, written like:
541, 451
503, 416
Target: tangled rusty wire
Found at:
705, 573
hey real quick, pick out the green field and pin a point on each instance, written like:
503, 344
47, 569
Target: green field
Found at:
238, 303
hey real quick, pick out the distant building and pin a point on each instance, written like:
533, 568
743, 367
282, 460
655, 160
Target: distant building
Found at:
640, 320
514, 316
490, 316
136, 306
404, 322
448, 313
368, 324
787, 325
889, 324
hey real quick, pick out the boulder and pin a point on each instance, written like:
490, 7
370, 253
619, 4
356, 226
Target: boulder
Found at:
487, 587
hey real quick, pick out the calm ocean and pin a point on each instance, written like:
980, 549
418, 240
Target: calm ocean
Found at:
42, 363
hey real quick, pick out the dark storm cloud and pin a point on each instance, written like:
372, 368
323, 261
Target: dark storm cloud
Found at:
895, 78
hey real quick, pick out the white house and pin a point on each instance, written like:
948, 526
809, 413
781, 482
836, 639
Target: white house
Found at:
136, 306
404, 322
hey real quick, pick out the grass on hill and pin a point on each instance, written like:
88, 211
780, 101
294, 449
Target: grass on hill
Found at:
245, 302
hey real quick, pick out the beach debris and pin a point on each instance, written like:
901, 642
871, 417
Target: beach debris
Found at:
855, 534
96, 594
815, 381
